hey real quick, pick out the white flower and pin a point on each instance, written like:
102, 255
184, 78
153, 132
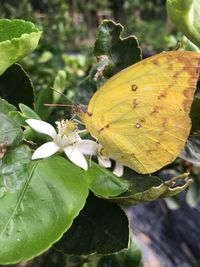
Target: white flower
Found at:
92, 148
67, 140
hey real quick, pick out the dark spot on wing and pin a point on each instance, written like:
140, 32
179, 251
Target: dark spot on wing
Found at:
134, 87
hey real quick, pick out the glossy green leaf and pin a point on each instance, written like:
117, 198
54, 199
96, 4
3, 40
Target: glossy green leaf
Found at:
11, 133
185, 14
104, 183
148, 188
36, 214
6, 107
13, 172
16, 86
101, 227
121, 52
18, 38
191, 150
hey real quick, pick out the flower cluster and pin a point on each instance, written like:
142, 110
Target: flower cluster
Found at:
68, 140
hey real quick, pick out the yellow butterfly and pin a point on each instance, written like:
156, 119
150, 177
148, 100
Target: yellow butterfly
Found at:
141, 115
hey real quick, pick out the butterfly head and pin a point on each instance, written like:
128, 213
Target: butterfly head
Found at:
81, 111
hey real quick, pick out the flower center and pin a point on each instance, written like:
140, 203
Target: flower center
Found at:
66, 133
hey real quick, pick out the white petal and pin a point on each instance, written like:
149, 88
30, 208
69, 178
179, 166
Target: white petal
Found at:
119, 169
87, 147
104, 162
42, 127
76, 157
46, 150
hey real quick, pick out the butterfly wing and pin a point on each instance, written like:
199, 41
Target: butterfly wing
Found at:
141, 114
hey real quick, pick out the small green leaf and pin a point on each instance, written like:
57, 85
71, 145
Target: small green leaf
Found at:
101, 227
104, 183
121, 52
36, 214
6, 107
185, 15
28, 113
59, 85
148, 188
18, 118
16, 86
18, 38
11, 133
21, 117
45, 57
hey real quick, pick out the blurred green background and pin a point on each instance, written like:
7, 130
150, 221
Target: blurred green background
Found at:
69, 29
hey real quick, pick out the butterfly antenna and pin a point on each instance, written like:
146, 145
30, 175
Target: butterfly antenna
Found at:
57, 105
62, 95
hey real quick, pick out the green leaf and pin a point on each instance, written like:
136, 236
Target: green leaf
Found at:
101, 227
16, 86
37, 214
45, 57
191, 150
18, 118
28, 112
185, 14
121, 52
11, 133
18, 38
59, 85
104, 183
148, 188
6, 107
21, 117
